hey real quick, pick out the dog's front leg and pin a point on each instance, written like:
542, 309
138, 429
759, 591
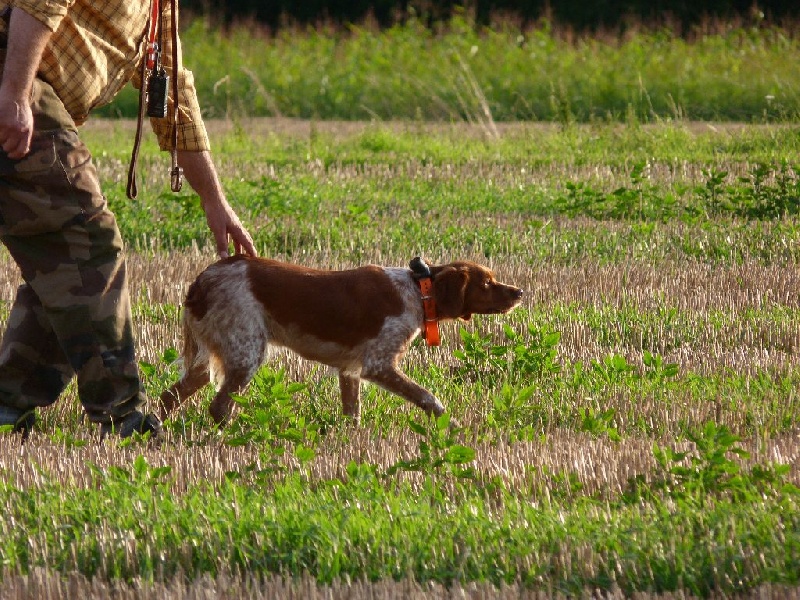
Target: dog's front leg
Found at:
396, 382
351, 403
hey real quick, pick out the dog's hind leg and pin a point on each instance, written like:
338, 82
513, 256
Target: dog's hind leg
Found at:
238, 366
396, 382
192, 380
236, 380
350, 387
195, 375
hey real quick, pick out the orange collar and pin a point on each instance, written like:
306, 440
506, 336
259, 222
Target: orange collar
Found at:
431, 330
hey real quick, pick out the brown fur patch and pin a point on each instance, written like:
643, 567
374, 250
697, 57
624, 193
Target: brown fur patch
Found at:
346, 307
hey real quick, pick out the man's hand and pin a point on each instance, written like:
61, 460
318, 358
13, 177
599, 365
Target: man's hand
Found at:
16, 126
220, 216
224, 224
27, 38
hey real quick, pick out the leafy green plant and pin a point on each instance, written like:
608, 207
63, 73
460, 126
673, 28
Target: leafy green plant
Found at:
140, 475
478, 355
66, 438
156, 377
582, 199
269, 419
268, 412
438, 452
518, 359
513, 416
613, 368
711, 469
656, 370
712, 191
600, 423
760, 198
768, 191
536, 356
638, 202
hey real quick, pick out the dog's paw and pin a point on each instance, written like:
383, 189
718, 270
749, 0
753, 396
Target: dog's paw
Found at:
433, 407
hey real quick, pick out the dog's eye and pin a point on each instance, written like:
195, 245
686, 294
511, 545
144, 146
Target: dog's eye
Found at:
486, 284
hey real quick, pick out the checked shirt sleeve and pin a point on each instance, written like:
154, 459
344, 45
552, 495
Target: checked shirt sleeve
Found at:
49, 12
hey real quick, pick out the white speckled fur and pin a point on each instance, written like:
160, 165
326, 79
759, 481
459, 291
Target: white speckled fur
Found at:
230, 298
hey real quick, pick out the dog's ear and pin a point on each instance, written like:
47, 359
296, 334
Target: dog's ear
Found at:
449, 289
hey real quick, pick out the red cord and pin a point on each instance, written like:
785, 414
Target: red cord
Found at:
152, 46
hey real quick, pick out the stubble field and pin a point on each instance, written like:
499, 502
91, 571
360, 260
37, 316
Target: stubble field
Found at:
631, 428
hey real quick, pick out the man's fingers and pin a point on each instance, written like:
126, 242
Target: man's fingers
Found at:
17, 149
221, 240
244, 244
16, 144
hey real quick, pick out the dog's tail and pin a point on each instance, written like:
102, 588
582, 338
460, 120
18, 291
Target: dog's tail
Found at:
191, 349
196, 355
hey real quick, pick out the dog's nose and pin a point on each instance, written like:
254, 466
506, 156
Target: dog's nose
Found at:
519, 293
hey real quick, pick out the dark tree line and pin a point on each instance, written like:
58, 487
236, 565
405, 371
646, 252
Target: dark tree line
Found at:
579, 14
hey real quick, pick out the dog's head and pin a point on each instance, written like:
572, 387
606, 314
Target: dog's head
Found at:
462, 289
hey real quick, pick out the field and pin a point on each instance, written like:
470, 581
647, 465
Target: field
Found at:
632, 428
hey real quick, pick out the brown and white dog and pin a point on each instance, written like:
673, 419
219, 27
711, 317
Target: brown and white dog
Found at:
359, 321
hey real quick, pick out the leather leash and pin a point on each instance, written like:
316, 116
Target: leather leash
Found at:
176, 174
155, 26
132, 190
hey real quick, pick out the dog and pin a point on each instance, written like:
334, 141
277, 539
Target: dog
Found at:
359, 321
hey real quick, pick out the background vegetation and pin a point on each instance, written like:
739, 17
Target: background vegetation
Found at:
460, 71
583, 16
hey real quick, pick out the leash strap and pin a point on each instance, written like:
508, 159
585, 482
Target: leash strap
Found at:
431, 330
176, 174
155, 28
132, 190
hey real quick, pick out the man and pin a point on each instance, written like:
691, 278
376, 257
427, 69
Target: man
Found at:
72, 316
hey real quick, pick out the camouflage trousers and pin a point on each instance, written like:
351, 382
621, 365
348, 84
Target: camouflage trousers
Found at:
71, 316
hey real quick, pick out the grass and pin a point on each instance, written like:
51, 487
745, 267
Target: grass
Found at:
360, 527
315, 190
631, 428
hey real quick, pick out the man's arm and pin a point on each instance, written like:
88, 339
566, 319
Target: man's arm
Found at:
198, 167
27, 38
193, 154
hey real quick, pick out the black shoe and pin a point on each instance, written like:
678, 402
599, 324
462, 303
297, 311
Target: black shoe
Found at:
22, 420
134, 422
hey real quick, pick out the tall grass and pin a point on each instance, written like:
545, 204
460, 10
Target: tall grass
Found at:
464, 73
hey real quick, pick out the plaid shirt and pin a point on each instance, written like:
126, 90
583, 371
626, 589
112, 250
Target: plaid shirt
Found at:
97, 47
